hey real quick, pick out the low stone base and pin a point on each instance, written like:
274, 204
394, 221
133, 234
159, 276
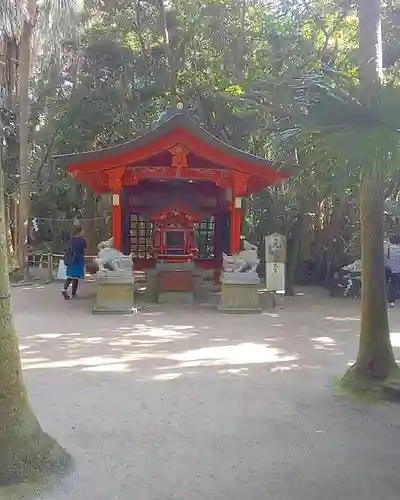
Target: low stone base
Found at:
175, 297
114, 294
239, 298
97, 310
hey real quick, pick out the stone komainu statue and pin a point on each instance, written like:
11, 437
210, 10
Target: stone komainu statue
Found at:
111, 259
245, 261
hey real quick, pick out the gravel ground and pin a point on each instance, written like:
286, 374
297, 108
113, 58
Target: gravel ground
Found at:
186, 403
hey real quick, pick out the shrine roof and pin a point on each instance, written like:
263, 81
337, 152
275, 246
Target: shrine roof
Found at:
172, 128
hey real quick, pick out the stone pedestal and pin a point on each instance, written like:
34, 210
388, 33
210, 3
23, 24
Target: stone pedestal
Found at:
114, 293
239, 293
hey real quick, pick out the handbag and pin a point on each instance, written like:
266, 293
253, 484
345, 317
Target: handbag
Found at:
69, 256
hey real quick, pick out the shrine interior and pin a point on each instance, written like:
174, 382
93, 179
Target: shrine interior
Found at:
176, 221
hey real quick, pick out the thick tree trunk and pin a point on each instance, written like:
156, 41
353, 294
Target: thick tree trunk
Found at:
370, 46
375, 357
26, 451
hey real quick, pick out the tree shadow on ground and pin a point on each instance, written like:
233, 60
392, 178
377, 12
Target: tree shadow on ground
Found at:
167, 342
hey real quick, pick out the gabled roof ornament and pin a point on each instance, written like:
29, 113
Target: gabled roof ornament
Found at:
179, 109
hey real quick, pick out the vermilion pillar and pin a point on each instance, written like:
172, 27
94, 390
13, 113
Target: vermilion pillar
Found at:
236, 222
115, 183
117, 218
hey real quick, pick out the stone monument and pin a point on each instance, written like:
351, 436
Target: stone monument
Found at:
240, 281
275, 262
114, 281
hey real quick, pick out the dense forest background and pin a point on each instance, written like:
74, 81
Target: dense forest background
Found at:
233, 62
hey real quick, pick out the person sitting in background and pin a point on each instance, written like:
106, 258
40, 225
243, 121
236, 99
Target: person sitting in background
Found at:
74, 260
392, 266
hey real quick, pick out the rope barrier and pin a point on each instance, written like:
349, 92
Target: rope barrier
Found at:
75, 219
61, 256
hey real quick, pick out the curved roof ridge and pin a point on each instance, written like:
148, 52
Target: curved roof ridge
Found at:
172, 120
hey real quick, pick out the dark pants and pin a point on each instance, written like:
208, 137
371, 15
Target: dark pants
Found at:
394, 286
75, 283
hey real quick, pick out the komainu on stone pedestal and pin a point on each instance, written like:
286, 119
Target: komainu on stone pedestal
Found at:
114, 281
112, 259
240, 281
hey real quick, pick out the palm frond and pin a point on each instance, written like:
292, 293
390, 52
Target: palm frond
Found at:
341, 122
58, 20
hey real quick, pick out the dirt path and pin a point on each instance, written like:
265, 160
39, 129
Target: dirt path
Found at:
190, 404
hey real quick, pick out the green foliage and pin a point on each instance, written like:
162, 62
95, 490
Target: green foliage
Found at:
248, 70
335, 115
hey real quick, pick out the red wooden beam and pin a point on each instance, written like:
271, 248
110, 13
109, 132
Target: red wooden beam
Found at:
178, 137
133, 175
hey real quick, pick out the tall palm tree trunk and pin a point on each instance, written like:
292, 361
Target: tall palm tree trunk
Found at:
375, 356
25, 449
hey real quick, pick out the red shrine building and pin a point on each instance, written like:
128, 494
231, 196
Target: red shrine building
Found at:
176, 191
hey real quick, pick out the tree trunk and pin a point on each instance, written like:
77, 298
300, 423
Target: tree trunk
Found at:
375, 357
240, 53
26, 451
89, 223
167, 52
24, 76
10, 246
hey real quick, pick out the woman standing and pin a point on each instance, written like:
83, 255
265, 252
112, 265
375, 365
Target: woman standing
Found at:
74, 260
